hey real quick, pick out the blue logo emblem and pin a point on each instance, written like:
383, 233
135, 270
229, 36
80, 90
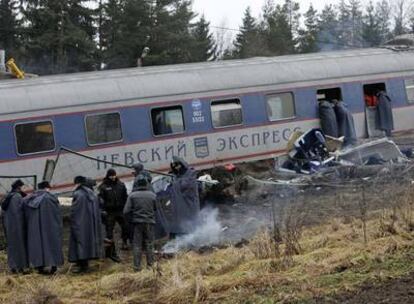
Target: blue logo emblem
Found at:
197, 105
201, 147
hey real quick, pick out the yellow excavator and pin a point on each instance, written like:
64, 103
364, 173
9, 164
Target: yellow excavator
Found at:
14, 69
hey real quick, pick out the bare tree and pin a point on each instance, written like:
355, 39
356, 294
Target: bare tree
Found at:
224, 37
403, 10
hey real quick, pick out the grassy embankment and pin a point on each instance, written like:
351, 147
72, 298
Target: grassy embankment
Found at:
333, 258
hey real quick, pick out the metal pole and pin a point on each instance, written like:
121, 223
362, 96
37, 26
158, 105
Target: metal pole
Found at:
2, 61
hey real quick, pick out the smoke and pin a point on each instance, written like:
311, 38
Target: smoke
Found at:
208, 232
234, 222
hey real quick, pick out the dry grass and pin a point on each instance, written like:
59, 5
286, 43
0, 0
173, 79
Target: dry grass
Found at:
333, 258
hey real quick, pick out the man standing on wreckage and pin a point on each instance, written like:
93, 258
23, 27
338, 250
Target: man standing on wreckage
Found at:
184, 196
44, 230
86, 241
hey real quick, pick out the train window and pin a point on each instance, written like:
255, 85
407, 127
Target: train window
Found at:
226, 113
34, 137
409, 87
167, 121
103, 128
329, 94
280, 106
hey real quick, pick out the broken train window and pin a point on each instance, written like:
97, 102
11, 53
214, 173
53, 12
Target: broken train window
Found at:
330, 95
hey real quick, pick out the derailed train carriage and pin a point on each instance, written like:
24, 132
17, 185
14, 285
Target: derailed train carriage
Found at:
209, 113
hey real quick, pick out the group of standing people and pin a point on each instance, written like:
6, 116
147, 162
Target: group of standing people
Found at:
34, 230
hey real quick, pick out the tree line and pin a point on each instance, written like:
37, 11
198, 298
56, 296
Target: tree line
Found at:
63, 36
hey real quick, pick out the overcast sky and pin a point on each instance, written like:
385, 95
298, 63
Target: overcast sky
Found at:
230, 12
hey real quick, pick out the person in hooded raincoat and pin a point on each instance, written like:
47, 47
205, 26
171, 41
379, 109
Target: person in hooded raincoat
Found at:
15, 228
85, 241
346, 125
44, 229
385, 120
184, 196
328, 120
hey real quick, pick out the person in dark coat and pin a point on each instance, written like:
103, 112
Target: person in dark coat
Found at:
140, 209
85, 241
113, 193
15, 228
327, 116
184, 197
385, 121
44, 229
346, 125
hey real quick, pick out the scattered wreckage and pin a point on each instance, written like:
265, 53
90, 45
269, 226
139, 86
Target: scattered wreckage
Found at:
314, 151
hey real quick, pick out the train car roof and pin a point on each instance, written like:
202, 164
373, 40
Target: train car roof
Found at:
96, 88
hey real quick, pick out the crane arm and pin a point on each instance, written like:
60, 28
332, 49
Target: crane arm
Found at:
14, 69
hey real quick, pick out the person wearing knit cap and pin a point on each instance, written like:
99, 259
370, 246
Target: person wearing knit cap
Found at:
44, 230
15, 228
140, 209
114, 194
86, 242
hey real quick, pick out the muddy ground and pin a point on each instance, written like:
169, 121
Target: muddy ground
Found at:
393, 291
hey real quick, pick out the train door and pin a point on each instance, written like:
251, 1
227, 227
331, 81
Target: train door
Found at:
327, 98
371, 108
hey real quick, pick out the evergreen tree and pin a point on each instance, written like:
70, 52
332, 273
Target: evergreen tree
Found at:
344, 22
383, 15
308, 37
246, 43
80, 46
9, 27
350, 23
371, 30
268, 9
292, 11
135, 29
171, 29
125, 32
278, 31
204, 47
110, 22
328, 25
100, 18
59, 36
356, 24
